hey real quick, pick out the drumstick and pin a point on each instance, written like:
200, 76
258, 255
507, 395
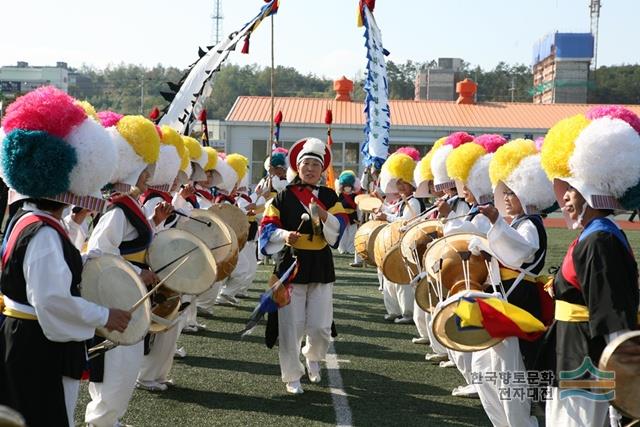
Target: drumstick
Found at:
207, 223
155, 288
303, 218
187, 253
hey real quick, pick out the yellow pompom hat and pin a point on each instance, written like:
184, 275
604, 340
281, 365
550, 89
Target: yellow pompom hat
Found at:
138, 143
169, 162
598, 154
240, 165
516, 166
398, 166
198, 158
423, 174
469, 165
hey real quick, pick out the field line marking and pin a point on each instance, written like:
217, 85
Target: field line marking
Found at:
338, 395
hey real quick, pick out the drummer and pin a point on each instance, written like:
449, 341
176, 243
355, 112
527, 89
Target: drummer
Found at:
44, 322
124, 230
396, 176
596, 288
520, 191
309, 313
276, 179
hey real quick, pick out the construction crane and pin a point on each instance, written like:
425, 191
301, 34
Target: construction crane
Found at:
594, 7
216, 18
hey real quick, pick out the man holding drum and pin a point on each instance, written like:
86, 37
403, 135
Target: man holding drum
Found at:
596, 288
44, 321
307, 243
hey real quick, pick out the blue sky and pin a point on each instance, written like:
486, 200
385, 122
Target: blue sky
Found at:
318, 37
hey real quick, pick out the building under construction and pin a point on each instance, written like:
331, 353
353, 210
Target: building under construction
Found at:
561, 68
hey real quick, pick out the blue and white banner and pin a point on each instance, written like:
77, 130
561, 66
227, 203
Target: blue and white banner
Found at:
376, 143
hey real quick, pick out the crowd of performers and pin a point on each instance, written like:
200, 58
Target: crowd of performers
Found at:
60, 159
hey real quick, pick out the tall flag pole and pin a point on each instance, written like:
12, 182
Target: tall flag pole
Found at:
277, 121
331, 175
378, 117
195, 84
270, 146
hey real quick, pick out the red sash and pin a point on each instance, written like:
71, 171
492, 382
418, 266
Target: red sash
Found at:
132, 205
220, 198
205, 194
568, 270
305, 196
349, 201
149, 194
23, 223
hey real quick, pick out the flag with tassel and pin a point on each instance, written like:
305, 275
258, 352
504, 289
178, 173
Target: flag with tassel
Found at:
202, 117
277, 121
375, 147
277, 296
154, 115
196, 82
331, 174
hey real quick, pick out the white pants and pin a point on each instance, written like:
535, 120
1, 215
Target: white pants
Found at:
435, 345
157, 364
503, 357
309, 314
398, 299
420, 318
71, 388
346, 244
207, 299
244, 272
462, 361
575, 411
110, 398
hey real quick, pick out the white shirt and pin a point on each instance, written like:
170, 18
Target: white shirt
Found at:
514, 247
479, 224
63, 317
407, 213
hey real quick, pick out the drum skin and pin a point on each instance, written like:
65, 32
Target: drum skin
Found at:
216, 235
627, 375
235, 218
111, 282
364, 240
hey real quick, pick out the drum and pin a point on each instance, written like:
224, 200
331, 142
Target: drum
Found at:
367, 202
388, 256
235, 218
215, 235
365, 238
627, 375
169, 247
447, 331
449, 261
427, 294
417, 237
111, 282
165, 308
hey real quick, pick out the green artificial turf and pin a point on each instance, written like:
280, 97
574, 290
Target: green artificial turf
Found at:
232, 382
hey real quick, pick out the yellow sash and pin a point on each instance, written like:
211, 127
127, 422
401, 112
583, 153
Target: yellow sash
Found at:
14, 313
138, 257
509, 274
567, 312
316, 244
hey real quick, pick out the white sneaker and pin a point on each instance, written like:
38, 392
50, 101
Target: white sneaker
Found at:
150, 385
403, 320
169, 382
205, 311
391, 317
201, 326
435, 357
180, 353
447, 364
294, 387
313, 370
227, 300
190, 328
421, 340
465, 391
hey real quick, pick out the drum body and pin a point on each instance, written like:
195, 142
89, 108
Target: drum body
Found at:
235, 218
427, 294
627, 375
367, 202
451, 335
444, 261
111, 282
365, 238
215, 235
418, 237
169, 248
165, 308
388, 256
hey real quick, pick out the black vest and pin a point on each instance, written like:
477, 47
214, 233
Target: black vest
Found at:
541, 253
12, 281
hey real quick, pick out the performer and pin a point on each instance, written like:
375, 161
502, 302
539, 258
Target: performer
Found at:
125, 231
309, 313
596, 288
276, 178
453, 206
521, 191
348, 188
44, 321
397, 176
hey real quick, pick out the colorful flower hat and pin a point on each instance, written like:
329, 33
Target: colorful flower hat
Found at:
441, 179
52, 149
170, 161
422, 174
398, 166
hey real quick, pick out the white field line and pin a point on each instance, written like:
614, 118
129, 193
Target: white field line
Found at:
338, 395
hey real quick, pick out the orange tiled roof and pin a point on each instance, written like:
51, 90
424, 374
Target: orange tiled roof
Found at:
442, 114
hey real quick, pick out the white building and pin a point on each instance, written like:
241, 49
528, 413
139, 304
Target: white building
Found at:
21, 78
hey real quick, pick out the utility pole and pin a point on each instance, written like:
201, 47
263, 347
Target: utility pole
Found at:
142, 94
512, 89
216, 18
594, 8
